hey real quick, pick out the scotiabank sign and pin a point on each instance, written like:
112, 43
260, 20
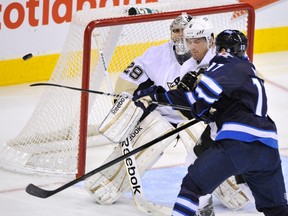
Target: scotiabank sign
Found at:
35, 13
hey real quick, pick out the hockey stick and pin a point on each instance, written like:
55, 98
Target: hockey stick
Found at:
103, 60
136, 183
178, 107
42, 193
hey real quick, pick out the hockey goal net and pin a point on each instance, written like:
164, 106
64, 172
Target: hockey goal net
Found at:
55, 138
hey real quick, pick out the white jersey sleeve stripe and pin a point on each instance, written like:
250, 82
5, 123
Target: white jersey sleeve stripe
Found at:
187, 203
247, 133
201, 94
211, 84
190, 97
248, 129
176, 213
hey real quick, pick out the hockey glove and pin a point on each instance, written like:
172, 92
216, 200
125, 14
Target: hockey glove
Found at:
121, 120
188, 82
143, 98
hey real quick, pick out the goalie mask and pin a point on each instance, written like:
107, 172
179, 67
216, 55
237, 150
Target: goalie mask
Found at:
180, 49
233, 41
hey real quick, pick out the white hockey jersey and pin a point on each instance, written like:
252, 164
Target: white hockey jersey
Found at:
160, 65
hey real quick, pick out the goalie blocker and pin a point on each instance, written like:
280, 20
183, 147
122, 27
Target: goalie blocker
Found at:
121, 120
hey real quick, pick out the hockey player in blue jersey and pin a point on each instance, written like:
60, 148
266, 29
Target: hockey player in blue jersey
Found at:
230, 96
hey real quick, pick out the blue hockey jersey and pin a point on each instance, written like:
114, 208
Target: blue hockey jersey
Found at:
231, 94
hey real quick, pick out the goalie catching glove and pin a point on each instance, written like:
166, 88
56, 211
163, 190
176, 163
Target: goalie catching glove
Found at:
121, 120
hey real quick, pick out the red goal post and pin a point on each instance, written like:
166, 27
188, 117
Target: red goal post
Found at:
55, 139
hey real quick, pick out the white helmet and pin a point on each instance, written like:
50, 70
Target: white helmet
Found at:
199, 27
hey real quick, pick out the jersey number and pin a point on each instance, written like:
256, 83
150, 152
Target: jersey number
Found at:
259, 104
133, 71
214, 66
256, 82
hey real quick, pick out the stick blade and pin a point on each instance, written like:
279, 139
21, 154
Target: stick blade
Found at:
38, 84
38, 192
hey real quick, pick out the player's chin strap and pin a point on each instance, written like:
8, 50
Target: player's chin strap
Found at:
136, 184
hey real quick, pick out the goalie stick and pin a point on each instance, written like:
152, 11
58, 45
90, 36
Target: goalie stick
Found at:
42, 193
136, 184
103, 60
175, 106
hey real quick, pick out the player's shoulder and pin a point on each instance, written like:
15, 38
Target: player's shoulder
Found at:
190, 63
160, 48
230, 61
222, 58
230, 68
156, 53
210, 54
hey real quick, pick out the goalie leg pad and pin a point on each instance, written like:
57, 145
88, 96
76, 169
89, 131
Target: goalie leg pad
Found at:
231, 195
107, 186
189, 137
121, 119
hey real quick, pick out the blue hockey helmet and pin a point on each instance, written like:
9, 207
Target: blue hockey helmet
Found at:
233, 41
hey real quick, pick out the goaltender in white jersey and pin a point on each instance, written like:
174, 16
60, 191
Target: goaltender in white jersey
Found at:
160, 66
157, 66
